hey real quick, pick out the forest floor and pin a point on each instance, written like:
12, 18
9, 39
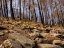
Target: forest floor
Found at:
29, 34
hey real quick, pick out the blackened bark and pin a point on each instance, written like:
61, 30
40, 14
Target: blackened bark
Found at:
20, 8
11, 9
6, 9
29, 9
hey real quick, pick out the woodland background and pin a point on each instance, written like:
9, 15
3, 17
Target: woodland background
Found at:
44, 11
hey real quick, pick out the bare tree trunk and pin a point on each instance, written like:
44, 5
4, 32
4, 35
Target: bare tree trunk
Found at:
23, 9
35, 18
42, 19
29, 10
6, 9
1, 9
11, 9
40, 10
20, 8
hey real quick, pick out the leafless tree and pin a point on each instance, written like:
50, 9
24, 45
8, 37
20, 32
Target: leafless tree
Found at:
11, 9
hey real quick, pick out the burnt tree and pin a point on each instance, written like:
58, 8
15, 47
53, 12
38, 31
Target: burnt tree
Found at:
11, 9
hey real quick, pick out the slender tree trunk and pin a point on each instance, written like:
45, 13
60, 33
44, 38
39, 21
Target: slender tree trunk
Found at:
23, 8
42, 15
20, 8
29, 10
40, 11
11, 9
6, 9
3, 8
35, 18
